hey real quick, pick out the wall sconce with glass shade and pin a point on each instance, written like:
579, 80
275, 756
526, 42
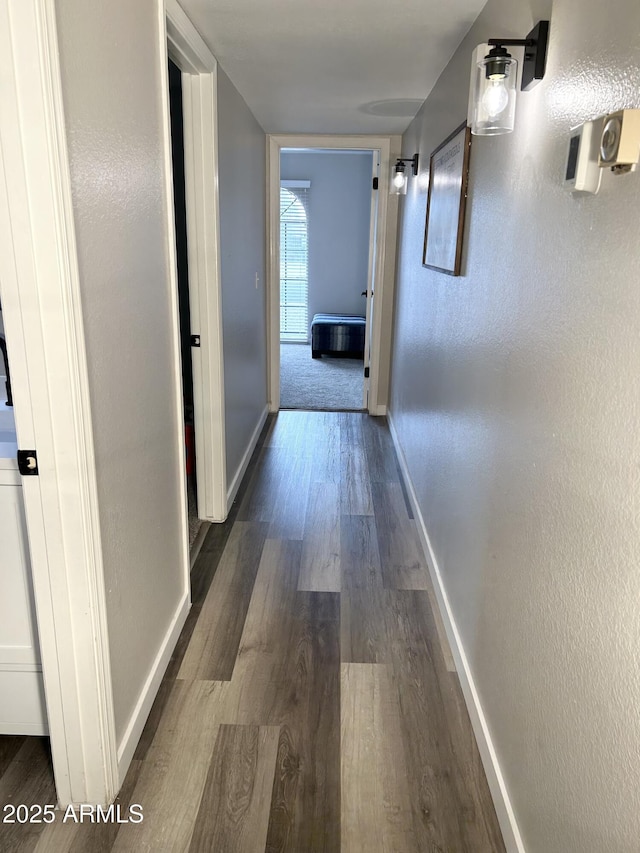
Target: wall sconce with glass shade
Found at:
494, 80
399, 177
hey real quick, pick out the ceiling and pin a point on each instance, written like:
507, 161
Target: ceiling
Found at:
333, 66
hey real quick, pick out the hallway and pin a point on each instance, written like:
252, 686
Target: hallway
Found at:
311, 703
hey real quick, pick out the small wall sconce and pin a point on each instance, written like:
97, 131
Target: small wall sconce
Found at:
494, 81
399, 179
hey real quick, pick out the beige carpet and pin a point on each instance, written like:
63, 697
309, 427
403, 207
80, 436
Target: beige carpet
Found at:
326, 383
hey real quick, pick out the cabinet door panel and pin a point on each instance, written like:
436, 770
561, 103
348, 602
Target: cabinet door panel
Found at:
18, 636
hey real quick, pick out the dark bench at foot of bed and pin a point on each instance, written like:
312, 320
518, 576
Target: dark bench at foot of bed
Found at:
337, 334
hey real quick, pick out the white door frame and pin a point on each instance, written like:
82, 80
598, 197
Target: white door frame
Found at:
45, 337
275, 143
199, 99
42, 314
371, 275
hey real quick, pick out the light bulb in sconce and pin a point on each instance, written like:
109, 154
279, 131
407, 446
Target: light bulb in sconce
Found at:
398, 180
495, 98
495, 93
492, 99
399, 177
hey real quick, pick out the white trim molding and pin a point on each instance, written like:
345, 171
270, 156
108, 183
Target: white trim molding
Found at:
203, 239
200, 116
133, 731
386, 223
497, 786
185, 44
40, 277
379, 411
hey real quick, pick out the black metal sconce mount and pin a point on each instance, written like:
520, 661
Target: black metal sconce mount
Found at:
535, 55
400, 167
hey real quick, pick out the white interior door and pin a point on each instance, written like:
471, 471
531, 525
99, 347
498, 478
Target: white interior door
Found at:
199, 103
371, 277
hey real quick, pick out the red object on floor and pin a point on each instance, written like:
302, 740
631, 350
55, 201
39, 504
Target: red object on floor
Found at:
190, 445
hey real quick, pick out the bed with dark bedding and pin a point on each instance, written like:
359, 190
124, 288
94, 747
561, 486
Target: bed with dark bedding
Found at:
337, 334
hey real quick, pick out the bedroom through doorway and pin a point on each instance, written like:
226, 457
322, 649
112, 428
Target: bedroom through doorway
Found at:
327, 228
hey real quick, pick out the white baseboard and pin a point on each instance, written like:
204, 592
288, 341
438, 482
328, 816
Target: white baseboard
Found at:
232, 491
506, 817
129, 742
378, 411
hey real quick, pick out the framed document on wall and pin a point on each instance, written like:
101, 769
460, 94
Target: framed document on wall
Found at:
446, 201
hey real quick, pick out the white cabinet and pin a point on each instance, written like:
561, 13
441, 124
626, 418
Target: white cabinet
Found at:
22, 706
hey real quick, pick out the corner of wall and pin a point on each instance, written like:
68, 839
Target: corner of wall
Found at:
246, 458
138, 718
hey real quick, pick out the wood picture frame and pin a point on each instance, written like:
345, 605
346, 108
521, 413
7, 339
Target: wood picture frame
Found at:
446, 202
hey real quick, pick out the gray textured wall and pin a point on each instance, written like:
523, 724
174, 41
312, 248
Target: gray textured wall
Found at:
516, 401
111, 77
242, 170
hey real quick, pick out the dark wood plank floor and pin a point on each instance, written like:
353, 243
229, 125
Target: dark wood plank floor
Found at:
311, 703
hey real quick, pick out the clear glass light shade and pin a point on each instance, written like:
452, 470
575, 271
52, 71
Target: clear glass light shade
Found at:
399, 183
494, 97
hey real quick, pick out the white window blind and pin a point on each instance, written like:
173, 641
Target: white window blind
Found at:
294, 260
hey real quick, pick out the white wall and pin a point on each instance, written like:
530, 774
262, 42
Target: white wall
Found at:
339, 219
516, 401
242, 169
112, 68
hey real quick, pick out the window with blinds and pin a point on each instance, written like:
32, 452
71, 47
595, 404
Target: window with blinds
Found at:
294, 260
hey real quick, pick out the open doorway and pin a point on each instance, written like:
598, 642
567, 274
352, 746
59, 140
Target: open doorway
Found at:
380, 269
326, 205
